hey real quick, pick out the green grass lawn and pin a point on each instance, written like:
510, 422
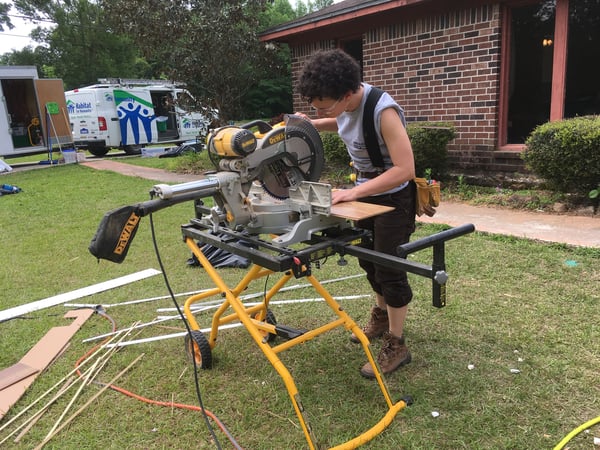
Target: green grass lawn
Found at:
512, 304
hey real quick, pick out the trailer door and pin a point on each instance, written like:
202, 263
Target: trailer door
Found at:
53, 111
5, 128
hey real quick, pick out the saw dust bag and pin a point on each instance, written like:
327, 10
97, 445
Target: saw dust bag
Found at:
115, 233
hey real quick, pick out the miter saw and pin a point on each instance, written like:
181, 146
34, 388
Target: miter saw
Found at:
265, 182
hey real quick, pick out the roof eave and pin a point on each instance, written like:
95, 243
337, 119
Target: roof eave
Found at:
335, 17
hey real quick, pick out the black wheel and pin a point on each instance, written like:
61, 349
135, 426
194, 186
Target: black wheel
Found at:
270, 319
197, 348
98, 150
133, 149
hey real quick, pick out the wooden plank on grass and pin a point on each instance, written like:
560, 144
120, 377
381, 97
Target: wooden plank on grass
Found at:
42, 354
15, 373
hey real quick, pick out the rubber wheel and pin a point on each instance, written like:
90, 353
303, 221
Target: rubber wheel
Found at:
270, 319
133, 149
98, 150
197, 348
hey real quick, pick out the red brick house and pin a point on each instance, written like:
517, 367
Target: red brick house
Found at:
496, 69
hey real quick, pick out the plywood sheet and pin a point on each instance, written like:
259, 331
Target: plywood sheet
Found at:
358, 210
52, 90
42, 354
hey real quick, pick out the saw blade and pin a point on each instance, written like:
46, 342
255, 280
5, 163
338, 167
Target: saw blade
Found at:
302, 160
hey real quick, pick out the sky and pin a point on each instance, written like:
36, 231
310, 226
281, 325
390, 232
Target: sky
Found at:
18, 37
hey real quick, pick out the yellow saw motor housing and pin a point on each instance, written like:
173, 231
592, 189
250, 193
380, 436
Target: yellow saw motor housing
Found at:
232, 142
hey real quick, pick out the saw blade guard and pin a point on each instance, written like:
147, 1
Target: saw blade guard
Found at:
302, 159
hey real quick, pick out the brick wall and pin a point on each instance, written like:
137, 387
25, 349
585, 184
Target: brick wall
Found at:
440, 68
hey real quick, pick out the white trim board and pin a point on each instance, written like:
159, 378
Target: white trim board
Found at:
78, 293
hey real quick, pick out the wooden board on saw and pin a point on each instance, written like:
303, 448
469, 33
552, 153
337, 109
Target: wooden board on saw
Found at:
358, 210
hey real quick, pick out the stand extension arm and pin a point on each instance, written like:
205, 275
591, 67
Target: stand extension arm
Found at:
438, 266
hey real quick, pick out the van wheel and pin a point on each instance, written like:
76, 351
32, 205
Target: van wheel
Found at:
98, 150
133, 149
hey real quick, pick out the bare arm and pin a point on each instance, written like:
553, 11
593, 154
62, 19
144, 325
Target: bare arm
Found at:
403, 169
324, 124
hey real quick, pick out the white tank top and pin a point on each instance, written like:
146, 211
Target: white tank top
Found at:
350, 129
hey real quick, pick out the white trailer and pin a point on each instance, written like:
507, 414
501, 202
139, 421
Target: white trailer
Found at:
33, 113
129, 114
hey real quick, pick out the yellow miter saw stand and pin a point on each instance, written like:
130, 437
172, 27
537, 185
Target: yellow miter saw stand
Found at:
271, 209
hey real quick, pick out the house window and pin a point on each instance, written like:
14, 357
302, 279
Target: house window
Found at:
582, 92
530, 77
553, 65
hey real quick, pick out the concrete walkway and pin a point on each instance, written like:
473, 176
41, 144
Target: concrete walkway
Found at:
566, 229
149, 173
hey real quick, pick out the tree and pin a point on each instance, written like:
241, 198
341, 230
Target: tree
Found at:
211, 45
272, 95
81, 47
4, 17
39, 56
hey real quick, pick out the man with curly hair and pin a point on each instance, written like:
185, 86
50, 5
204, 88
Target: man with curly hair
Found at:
331, 82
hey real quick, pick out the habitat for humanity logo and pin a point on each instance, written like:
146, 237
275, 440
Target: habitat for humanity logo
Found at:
134, 113
78, 107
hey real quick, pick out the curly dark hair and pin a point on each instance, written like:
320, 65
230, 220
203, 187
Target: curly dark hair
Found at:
329, 73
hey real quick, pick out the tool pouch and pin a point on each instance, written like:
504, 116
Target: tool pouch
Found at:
428, 197
115, 233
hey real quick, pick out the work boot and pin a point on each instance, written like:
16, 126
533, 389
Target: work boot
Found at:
377, 325
394, 354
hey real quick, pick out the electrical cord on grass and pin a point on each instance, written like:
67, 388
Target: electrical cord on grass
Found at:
206, 413
101, 312
187, 327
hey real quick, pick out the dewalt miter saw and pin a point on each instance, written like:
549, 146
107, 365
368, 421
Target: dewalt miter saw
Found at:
267, 197
265, 182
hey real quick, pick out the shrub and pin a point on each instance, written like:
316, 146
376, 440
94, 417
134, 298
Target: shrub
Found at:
335, 149
566, 154
430, 146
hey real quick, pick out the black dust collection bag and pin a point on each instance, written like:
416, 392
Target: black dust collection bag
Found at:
115, 233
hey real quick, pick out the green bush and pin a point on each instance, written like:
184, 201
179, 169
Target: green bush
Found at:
566, 154
335, 149
429, 142
430, 146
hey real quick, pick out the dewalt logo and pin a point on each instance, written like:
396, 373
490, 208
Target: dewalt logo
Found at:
126, 233
277, 137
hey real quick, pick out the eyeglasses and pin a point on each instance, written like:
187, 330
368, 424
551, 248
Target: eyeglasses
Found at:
325, 110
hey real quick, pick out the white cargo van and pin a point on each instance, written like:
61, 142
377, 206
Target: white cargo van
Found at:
33, 113
129, 114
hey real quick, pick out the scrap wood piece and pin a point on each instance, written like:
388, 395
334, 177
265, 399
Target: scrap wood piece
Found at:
15, 373
74, 371
17, 311
41, 356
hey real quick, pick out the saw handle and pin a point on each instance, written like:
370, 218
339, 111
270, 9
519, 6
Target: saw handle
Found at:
263, 127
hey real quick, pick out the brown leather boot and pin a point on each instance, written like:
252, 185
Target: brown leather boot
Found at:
394, 354
377, 325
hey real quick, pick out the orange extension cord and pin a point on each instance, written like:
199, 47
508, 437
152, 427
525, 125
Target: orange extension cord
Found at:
221, 426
